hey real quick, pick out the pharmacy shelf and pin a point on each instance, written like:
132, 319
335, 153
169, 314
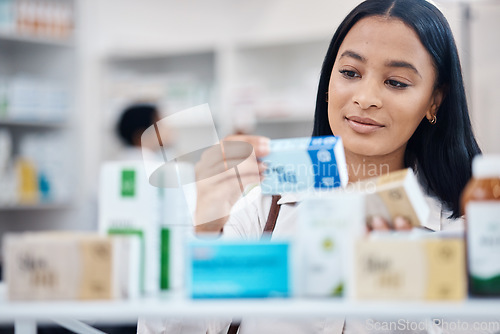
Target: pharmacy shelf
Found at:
33, 124
36, 40
121, 54
35, 207
176, 306
41, 69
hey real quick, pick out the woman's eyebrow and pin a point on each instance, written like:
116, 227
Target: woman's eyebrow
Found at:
403, 64
352, 54
390, 63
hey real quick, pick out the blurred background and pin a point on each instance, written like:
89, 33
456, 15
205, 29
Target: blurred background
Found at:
68, 68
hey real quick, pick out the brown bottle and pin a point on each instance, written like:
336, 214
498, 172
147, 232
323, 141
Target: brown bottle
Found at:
481, 206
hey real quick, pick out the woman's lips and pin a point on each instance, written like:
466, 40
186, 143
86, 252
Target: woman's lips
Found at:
363, 125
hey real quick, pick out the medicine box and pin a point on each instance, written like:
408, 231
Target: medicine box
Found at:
406, 268
298, 164
129, 205
396, 194
329, 224
64, 266
158, 214
238, 269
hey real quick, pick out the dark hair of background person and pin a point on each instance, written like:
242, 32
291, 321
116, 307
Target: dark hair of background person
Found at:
134, 120
442, 153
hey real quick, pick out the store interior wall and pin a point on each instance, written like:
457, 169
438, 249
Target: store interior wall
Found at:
485, 69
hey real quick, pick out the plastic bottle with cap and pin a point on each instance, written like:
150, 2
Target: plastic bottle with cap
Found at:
481, 206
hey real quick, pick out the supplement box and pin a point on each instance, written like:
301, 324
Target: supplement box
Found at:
129, 205
396, 194
327, 228
68, 266
298, 164
238, 269
405, 268
158, 216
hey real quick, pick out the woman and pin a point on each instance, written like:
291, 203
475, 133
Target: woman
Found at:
441, 148
391, 86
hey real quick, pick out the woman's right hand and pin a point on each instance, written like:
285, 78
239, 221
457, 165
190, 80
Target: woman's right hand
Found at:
378, 223
222, 174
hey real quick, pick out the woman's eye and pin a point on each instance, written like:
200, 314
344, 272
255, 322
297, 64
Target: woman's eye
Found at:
396, 84
349, 74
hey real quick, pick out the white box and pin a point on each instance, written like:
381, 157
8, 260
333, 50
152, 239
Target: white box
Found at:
329, 223
129, 205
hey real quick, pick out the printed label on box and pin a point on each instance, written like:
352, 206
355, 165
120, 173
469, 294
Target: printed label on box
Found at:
298, 164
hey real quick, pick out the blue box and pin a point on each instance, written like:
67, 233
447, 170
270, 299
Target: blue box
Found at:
238, 269
299, 164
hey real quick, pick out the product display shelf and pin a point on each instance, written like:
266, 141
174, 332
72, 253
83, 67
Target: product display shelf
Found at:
12, 37
177, 306
276, 77
276, 80
38, 90
32, 124
53, 206
174, 80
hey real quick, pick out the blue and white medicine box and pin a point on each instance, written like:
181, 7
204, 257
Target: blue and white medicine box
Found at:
238, 269
298, 164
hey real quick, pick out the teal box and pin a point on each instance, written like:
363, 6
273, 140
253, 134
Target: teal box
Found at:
238, 269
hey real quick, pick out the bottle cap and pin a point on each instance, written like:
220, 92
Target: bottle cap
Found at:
486, 166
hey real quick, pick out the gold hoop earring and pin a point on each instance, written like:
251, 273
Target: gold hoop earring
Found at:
433, 120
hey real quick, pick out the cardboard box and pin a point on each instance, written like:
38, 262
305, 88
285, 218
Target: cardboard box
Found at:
395, 194
298, 164
409, 269
58, 266
244, 269
158, 216
327, 228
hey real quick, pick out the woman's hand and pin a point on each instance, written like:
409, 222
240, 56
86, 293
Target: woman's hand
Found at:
222, 174
377, 223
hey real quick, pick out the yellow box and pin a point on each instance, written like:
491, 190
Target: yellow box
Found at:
395, 194
409, 269
64, 266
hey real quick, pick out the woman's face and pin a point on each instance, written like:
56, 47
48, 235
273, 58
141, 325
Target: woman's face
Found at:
381, 87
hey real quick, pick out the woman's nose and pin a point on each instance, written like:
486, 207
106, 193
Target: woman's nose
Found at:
367, 94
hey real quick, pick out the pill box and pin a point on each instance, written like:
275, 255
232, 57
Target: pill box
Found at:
396, 194
71, 266
328, 226
238, 269
402, 267
298, 164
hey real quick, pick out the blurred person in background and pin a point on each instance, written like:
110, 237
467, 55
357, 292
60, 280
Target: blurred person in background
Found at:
133, 121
